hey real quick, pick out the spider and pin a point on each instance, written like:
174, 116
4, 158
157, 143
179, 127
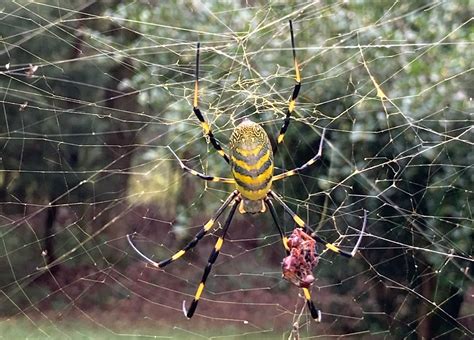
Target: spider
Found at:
251, 160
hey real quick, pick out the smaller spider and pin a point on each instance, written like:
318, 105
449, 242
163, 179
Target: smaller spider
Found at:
298, 266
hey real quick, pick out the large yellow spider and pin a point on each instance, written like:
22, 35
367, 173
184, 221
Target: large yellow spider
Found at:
251, 161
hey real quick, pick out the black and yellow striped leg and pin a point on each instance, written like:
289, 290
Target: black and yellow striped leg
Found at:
335, 249
306, 229
212, 258
315, 312
204, 230
205, 125
305, 165
201, 175
296, 91
284, 239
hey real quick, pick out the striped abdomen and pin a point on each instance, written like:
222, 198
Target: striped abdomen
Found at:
252, 165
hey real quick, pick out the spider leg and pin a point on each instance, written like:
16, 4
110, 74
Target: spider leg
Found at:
331, 246
212, 258
199, 174
205, 125
315, 312
305, 165
272, 210
296, 90
204, 230
336, 249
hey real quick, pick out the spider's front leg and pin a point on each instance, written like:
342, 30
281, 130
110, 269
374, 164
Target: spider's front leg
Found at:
296, 91
205, 125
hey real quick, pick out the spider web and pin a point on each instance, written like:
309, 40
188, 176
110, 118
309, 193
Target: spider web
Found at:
95, 94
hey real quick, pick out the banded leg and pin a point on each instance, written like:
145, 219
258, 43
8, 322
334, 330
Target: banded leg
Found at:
305, 165
205, 125
201, 175
204, 230
212, 258
296, 90
306, 229
315, 312
284, 239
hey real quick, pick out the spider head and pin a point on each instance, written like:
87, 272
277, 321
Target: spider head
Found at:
251, 206
249, 137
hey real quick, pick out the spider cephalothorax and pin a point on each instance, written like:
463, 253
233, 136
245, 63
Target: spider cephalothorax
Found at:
251, 160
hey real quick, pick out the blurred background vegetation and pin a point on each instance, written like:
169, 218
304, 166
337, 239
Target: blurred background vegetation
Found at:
94, 92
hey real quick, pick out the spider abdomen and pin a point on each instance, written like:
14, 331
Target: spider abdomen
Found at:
252, 164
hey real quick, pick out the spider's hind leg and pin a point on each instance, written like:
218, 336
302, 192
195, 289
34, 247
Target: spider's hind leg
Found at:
212, 258
315, 312
191, 244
